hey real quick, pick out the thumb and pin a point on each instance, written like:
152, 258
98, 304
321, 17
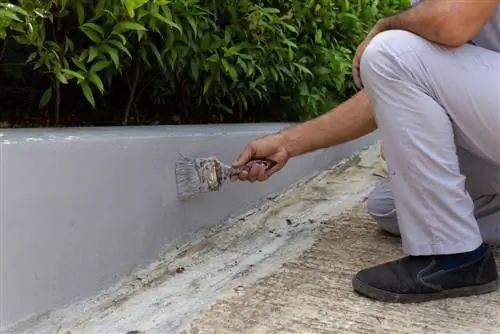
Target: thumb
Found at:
244, 156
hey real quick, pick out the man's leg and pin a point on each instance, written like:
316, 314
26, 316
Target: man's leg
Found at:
482, 183
426, 98
381, 207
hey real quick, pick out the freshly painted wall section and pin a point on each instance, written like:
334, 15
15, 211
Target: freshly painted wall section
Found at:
80, 208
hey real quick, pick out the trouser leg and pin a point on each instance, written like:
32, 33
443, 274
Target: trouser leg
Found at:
482, 183
487, 210
428, 99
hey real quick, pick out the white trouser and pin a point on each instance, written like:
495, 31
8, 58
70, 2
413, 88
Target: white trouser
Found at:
481, 184
430, 100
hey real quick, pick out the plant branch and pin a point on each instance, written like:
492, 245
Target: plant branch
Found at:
131, 98
4, 48
56, 84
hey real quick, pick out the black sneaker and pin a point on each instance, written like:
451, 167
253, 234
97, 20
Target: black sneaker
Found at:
416, 279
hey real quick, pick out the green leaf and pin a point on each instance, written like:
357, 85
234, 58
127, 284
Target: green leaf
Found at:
228, 33
80, 12
68, 45
322, 70
100, 8
233, 50
230, 69
43, 13
72, 73
303, 69
144, 55
45, 99
87, 92
289, 27
194, 68
112, 53
192, 23
93, 53
123, 38
290, 43
167, 21
233, 73
318, 36
128, 25
91, 34
206, 86
130, 6
225, 64
271, 10
94, 27
31, 57
14, 8
205, 42
140, 35
63, 5
157, 54
120, 46
94, 78
213, 58
99, 66
62, 78
9, 14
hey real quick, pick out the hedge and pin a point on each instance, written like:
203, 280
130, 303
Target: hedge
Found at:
219, 56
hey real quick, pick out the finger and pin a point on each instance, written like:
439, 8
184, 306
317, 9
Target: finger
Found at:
254, 172
262, 176
355, 70
243, 175
281, 162
357, 77
244, 156
357, 80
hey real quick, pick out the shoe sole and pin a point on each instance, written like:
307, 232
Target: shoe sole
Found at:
391, 297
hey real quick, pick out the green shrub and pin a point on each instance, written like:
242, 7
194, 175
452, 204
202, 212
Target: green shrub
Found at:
221, 56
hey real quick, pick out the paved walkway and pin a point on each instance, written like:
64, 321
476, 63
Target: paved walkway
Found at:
312, 294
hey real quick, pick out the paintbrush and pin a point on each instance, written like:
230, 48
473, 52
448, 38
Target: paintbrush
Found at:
199, 175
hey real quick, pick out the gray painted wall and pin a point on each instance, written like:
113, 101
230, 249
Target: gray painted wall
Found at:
79, 208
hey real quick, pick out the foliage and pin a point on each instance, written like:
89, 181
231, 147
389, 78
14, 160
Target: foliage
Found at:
219, 55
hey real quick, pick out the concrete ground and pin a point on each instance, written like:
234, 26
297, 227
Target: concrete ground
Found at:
313, 294
285, 267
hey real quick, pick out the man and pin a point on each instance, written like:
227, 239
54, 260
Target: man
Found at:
431, 78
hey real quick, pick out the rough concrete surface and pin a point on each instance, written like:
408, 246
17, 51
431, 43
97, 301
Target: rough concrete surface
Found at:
313, 294
284, 267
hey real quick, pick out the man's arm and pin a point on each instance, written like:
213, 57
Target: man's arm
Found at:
447, 22
350, 120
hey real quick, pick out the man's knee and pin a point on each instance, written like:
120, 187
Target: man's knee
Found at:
380, 203
382, 55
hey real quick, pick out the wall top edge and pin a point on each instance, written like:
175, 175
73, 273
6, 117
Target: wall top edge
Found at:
39, 135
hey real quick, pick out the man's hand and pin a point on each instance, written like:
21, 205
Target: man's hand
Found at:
378, 28
270, 147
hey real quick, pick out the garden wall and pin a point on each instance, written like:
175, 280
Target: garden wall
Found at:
80, 208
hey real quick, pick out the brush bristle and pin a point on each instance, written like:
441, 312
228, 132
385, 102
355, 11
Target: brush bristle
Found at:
187, 177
